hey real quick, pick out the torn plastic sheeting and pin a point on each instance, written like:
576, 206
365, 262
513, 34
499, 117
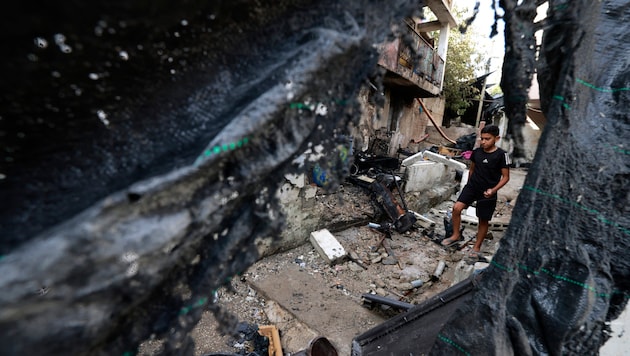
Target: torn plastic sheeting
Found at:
561, 272
141, 235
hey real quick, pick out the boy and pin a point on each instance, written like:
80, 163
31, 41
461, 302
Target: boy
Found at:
488, 173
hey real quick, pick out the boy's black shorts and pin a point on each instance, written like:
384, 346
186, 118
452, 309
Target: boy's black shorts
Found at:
485, 206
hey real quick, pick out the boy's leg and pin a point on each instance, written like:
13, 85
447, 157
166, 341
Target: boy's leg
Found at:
485, 210
457, 222
482, 231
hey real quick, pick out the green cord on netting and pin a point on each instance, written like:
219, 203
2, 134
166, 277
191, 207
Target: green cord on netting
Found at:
200, 302
452, 343
301, 106
619, 149
589, 85
558, 277
603, 90
561, 98
217, 149
537, 273
599, 215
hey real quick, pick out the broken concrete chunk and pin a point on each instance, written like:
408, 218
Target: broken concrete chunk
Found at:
354, 267
297, 180
327, 246
389, 261
288, 193
353, 255
379, 282
310, 192
423, 220
377, 259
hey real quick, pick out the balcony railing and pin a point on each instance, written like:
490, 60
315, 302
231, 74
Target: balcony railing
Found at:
424, 68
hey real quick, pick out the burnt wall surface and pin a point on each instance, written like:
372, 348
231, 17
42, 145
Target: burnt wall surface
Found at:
141, 145
562, 271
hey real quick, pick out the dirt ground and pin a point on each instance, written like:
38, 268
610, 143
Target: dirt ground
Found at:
304, 297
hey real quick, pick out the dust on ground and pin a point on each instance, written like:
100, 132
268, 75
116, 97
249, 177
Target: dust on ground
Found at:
327, 300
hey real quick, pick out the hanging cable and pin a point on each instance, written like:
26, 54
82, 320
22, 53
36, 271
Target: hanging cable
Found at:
434, 124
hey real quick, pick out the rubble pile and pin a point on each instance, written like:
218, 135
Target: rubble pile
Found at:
397, 269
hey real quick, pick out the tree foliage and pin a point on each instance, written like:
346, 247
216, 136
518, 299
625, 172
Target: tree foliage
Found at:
463, 59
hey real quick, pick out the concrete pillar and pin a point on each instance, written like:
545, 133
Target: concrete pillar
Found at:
443, 47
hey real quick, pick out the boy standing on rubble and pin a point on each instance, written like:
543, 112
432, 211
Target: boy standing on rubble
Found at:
488, 173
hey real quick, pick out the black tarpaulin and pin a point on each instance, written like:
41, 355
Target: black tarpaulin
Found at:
141, 148
561, 273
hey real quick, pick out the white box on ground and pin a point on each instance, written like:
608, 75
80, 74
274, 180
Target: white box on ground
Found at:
423, 175
412, 159
444, 159
327, 246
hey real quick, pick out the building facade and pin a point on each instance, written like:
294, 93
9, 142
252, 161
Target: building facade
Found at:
413, 65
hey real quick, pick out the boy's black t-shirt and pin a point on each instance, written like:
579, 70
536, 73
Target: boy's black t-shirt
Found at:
487, 172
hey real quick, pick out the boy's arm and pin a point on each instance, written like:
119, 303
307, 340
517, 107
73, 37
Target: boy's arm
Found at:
471, 169
505, 177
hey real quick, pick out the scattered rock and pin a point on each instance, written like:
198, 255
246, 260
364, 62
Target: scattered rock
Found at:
354, 267
389, 261
377, 259
353, 255
379, 282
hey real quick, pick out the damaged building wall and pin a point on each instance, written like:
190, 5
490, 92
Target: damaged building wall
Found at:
436, 106
407, 124
297, 202
398, 123
370, 120
307, 207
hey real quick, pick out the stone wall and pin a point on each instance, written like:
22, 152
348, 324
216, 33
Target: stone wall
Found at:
307, 207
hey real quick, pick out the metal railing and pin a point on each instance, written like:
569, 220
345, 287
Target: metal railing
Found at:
428, 64
419, 64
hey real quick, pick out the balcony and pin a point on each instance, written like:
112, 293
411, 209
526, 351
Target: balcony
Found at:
421, 72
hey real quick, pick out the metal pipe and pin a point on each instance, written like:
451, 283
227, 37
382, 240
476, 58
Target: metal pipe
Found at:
387, 301
439, 269
399, 192
435, 124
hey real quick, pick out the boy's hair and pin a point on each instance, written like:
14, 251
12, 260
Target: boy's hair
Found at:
491, 129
